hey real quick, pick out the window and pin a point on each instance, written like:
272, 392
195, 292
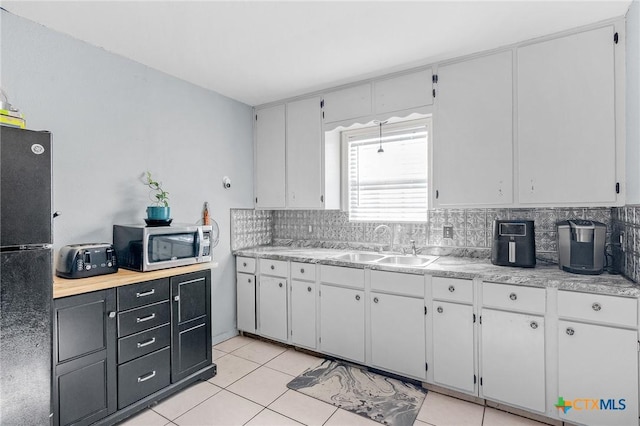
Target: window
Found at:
390, 185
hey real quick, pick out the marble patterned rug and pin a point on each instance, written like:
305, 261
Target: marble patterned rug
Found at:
382, 399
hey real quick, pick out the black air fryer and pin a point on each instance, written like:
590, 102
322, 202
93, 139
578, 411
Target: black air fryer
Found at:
513, 243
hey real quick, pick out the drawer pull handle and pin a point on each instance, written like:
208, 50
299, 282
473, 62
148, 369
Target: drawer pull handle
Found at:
452, 288
357, 297
147, 377
147, 318
112, 314
596, 307
570, 331
534, 325
273, 267
440, 310
280, 285
147, 343
513, 296
309, 289
375, 300
302, 270
146, 293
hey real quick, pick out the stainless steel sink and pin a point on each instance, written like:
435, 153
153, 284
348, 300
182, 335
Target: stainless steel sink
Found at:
419, 261
359, 257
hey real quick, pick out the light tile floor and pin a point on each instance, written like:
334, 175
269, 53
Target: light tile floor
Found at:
251, 389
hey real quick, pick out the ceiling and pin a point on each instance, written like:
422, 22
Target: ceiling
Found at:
262, 51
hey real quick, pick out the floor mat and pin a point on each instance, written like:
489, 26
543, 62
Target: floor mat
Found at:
382, 399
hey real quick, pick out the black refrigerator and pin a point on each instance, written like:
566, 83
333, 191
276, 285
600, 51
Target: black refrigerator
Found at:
26, 277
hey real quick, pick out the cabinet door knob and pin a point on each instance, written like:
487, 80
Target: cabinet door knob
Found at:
534, 325
375, 300
596, 307
112, 314
273, 267
570, 331
452, 288
176, 298
249, 280
513, 296
357, 297
244, 264
440, 310
302, 270
280, 285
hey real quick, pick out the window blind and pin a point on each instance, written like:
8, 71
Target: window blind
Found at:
392, 185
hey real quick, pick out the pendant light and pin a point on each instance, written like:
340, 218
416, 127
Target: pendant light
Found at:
380, 150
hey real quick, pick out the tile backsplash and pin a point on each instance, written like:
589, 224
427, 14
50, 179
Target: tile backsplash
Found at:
472, 229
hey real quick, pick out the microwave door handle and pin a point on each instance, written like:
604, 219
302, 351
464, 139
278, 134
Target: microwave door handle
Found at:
197, 243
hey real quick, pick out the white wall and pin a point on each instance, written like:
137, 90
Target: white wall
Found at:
633, 103
112, 119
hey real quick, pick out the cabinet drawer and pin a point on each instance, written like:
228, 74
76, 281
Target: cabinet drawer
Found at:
134, 295
246, 265
350, 277
598, 307
143, 318
279, 268
395, 282
453, 289
143, 343
514, 297
303, 271
143, 376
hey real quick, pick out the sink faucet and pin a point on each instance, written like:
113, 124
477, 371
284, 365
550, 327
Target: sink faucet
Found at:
385, 230
413, 247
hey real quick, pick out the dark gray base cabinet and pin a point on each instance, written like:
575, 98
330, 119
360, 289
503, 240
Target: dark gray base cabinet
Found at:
120, 350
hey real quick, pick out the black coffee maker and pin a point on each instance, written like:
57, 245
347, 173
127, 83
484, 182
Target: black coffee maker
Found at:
581, 246
513, 243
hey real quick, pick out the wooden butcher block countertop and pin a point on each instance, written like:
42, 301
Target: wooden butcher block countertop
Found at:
63, 287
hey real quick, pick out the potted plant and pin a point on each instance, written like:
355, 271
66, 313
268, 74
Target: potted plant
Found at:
161, 209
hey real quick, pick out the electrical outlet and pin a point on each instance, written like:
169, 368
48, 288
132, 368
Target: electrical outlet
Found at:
447, 231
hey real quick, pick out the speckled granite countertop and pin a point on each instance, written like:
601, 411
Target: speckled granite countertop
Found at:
543, 275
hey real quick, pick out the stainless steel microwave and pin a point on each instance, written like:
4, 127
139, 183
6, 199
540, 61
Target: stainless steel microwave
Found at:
145, 248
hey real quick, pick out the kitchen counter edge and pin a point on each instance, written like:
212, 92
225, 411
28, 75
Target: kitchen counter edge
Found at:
543, 275
64, 287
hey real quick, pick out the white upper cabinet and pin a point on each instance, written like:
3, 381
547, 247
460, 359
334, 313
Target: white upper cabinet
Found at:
349, 103
473, 132
270, 157
304, 154
567, 120
403, 92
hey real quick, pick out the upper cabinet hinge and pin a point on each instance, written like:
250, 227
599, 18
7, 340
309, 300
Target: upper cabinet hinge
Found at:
480, 381
322, 103
426, 366
434, 93
474, 320
480, 322
256, 117
434, 78
617, 187
615, 38
475, 379
425, 310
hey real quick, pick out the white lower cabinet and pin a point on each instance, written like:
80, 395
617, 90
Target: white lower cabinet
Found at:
272, 309
453, 346
398, 334
512, 359
598, 374
303, 313
342, 322
246, 302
